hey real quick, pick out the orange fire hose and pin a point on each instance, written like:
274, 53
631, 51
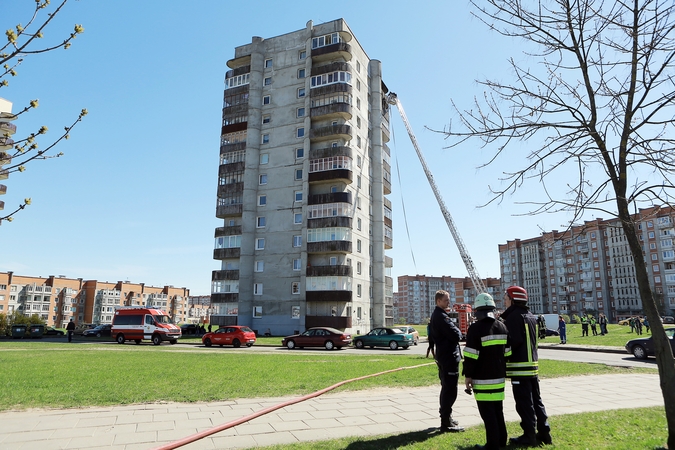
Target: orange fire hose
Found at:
225, 426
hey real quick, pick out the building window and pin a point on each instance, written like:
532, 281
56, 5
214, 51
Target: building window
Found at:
298, 174
358, 85
299, 153
297, 264
295, 287
260, 223
265, 138
358, 223
358, 161
297, 241
297, 218
358, 141
300, 131
266, 100
267, 81
257, 289
259, 266
262, 179
301, 73
358, 67
300, 112
358, 245
262, 200
268, 63
358, 181
298, 196
302, 55
301, 92
333, 260
358, 290
260, 243
358, 267
264, 158
266, 118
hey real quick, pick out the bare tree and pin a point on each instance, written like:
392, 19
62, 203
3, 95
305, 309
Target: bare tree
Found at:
22, 42
597, 108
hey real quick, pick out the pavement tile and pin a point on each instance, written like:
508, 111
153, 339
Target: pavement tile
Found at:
283, 437
93, 441
67, 433
384, 418
146, 436
115, 429
97, 421
155, 426
27, 437
289, 426
134, 419
197, 423
254, 429
232, 442
326, 414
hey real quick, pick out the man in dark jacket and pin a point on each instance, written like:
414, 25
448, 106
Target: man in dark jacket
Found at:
446, 337
70, 329
523, 369
485, 369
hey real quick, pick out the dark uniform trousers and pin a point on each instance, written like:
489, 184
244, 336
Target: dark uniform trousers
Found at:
492, 414
449, 376
529, 405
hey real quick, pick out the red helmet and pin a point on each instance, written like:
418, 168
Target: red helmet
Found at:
517, 294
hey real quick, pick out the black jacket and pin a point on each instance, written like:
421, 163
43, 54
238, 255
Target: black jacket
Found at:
484, 358
522, 326
446, 337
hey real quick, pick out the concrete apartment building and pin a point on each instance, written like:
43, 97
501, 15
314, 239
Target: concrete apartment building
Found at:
7, 129
58, 299
590, 269
304, 171
415, 299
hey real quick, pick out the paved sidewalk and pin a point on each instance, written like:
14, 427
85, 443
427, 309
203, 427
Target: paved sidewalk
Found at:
332, 415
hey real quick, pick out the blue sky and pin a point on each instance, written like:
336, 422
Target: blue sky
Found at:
134, 196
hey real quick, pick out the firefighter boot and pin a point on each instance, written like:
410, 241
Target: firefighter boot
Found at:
525, 440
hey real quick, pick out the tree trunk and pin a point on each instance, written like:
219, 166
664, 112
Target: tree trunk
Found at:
664, 353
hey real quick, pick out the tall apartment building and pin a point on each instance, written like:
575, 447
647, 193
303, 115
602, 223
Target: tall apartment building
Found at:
7, 129
304, 170
58, 299
590, 268
415, 299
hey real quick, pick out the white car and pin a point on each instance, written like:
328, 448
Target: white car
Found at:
414, 332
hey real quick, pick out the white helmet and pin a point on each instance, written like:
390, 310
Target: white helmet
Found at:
484, 301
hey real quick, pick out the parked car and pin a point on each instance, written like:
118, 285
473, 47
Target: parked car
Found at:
627, 321
98, 331
413, 331
384, 337
327, 337
668, 319
641, 348
51, 331
234, 335
80, 328
189, 328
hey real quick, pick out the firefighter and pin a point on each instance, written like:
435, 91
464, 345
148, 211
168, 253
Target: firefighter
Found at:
446, 337
485, 369
523, 369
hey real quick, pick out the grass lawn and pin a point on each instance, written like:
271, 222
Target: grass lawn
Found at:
617, 336
625, 429
37, 374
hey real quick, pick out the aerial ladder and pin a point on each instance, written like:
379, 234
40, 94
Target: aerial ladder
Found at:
392, 99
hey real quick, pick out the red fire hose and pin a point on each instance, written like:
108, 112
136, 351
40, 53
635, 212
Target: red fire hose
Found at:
225, 426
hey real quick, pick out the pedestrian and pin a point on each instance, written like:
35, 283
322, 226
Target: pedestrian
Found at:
209, 327
646, 324
631, 322
584, 326
541, 325
603, 324
430, 348
485, 369
638, 325
562, 330
446, 337
594, 328
70, 329
523, 369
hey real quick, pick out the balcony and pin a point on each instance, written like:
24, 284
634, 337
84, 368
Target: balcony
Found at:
339, 323
234, 127
226, 190
225, 211
329, 296
7, 128
2, 205
344, 175
329, 247
4, 174
234, 230
326, 271
237, 146
330, 222
388, 243
336, 66
328, 90
6, 143
332, 111
388, 261
219, 275
331, 197
333, 51
229, 297
3, 189
343, 132
226, 253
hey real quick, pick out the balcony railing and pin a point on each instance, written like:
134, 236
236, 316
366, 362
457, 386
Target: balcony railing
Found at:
331, 197
343, 110
228, 231
330, 222
329, 246
237, 146
331, 132
340, 323
226, 253
333, 51
6, 127
6, 143
329, 296
225, 190
325, 271
219, 275
225, 211
344, 175
229, 297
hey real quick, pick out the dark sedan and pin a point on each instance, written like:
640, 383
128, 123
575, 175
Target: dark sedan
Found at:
98, 331
326, 337
641, 348
51, 331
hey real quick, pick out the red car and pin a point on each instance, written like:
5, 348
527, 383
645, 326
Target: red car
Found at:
327, 337
234, 335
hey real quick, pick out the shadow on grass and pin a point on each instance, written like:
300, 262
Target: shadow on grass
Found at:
404, 440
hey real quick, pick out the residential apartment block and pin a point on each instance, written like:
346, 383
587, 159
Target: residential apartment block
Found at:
590, 268
7, 129
304, 171
415, 299
58, 299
